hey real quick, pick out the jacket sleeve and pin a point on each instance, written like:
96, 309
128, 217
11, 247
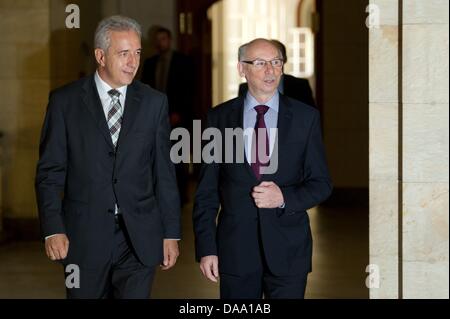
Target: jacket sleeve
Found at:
206, 206
166, 182
316, 185
51, 169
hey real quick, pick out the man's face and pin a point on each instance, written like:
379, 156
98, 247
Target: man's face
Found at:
120, 62
261, 82
163, 42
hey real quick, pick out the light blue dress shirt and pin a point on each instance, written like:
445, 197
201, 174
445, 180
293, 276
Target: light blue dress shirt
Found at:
270, 118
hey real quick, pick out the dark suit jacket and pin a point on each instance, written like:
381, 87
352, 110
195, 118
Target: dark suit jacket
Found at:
80, 176
180, 83
296, 88
302, 176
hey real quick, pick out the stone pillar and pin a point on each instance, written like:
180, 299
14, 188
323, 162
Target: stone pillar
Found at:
425, 148
408, 111
383, 149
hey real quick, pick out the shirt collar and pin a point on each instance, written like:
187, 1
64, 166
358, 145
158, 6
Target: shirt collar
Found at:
250, 102
104, 87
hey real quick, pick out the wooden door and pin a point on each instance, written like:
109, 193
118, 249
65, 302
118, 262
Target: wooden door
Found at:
194, 36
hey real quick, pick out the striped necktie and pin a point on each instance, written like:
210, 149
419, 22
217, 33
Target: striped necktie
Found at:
114, 116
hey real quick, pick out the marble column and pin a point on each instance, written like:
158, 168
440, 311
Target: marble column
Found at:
383, 149
425, 148
408, 102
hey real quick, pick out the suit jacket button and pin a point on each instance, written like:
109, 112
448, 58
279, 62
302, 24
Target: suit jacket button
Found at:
111, 211
111, 154
115, 181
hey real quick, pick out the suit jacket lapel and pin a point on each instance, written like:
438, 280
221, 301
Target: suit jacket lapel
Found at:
92, 102
131, 110
236, 120
283, 128
284, 120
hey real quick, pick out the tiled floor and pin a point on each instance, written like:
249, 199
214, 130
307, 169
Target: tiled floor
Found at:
340, 257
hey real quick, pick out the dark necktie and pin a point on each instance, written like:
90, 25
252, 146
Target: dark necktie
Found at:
260, 128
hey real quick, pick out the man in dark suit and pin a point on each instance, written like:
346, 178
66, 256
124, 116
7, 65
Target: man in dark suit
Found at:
172, 73
262, 243
296, 88
105, 184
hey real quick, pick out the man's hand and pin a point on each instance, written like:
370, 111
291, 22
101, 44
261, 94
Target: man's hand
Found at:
267, 195
171, 253
209, 265
57, 246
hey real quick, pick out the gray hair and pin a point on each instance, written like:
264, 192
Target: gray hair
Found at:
243, 48
102, 37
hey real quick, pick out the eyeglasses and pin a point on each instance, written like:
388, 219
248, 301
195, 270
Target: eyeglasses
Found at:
260, 64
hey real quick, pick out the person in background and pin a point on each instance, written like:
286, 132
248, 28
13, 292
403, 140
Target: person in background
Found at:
172, 73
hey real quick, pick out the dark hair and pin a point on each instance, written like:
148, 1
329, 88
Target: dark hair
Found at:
164, 30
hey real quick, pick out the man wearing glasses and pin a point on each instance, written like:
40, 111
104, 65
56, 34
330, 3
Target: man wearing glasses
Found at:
296, 88
262, 242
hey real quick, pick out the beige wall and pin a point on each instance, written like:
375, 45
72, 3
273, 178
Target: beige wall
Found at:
38, 54
71, 50
24, 86
345, 91
409, 234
